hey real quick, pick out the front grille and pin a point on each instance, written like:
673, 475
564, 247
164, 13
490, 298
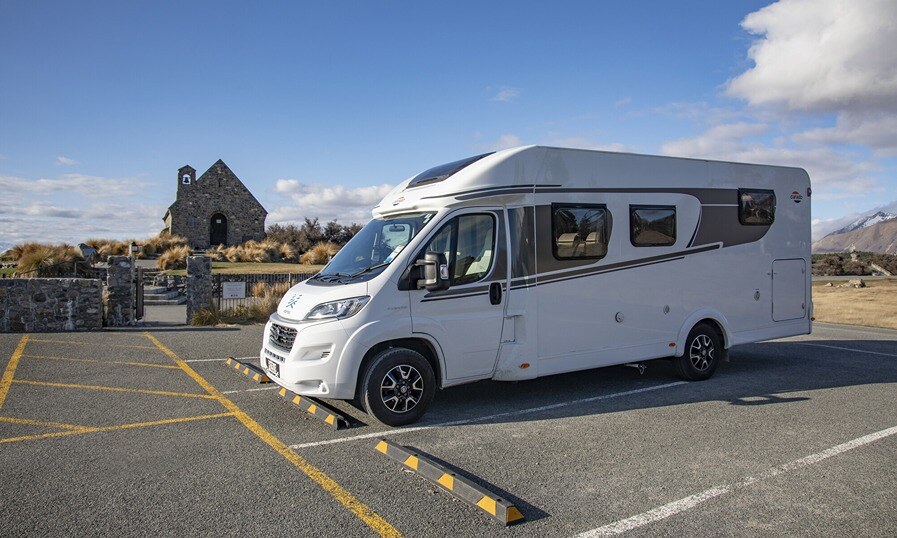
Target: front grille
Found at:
282, 337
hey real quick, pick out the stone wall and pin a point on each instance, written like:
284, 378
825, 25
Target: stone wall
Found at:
120, 292
50, 304
199, 284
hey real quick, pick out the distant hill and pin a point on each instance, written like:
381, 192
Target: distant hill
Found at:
865, 222
880, 237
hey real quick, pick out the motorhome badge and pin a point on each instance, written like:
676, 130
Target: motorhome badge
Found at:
797, 197
398, 200
292, 302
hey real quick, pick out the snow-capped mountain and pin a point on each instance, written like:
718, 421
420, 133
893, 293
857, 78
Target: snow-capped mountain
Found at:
865, 222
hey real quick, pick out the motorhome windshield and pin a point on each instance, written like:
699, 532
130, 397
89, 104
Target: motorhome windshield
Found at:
376, 245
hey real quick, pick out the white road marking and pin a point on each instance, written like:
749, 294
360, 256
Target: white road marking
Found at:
205, 360
249, 390
488, 417
847, 349
687, 503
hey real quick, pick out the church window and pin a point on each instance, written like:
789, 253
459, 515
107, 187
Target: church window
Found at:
186, 179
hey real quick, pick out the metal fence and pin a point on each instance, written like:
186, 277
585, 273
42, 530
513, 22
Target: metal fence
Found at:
231, 291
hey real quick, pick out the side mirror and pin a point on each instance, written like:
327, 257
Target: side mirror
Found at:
436, 273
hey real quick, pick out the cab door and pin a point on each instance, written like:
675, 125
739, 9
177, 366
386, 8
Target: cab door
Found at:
466, 319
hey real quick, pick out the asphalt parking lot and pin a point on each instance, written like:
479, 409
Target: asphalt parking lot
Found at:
133, 433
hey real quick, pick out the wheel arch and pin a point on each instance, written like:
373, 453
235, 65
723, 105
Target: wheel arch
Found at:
421, 345
712, 318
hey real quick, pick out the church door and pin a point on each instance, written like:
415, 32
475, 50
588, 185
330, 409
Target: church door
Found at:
218, 230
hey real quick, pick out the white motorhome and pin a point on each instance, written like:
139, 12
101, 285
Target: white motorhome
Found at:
536, 261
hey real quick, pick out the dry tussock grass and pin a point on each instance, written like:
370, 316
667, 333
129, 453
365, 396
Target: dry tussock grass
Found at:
256, 252
320, 253
33, 258
872, 306
267, 298
174, 258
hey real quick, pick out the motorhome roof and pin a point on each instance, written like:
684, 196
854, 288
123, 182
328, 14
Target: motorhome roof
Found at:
517, 169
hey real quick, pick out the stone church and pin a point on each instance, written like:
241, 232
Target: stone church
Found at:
215, 209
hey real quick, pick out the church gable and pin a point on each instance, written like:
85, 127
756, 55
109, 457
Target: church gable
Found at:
215, 208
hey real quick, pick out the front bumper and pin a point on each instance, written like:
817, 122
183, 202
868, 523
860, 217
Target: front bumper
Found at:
310, 366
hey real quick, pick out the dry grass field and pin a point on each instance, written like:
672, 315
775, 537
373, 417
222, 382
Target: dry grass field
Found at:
226, 268
872, 306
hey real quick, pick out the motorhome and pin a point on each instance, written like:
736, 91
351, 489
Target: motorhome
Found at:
536, 261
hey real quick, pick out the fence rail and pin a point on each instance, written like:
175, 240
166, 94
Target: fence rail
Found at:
233, 290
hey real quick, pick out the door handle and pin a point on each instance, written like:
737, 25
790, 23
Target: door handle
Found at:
495, 293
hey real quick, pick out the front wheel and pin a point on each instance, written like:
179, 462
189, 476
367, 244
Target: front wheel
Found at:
702, 354
397, 387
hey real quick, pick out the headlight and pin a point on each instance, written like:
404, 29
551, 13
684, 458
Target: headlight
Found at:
344, 308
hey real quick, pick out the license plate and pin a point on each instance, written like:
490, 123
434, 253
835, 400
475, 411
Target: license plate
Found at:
272, 367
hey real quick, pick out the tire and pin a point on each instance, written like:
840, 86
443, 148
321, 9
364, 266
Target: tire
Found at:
413, 386
703, 352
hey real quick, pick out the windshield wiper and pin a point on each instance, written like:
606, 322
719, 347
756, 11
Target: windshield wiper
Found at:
369, 269
330, 277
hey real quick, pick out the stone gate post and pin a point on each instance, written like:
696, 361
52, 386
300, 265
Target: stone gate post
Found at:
199, 284
120, 294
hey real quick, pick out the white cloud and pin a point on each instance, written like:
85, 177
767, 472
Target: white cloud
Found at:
95, 186
580, 142
878, 131
834, 174
75, 207
504, 141
623, 102
822, 55
827, 56
505, 94
65, 161
327, 202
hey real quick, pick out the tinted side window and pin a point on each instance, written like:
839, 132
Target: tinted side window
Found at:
468, 243
579, 231
756, 207
652, 226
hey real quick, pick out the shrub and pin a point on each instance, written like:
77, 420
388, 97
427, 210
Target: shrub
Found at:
320, 253
174, 258
206, 316
303, 238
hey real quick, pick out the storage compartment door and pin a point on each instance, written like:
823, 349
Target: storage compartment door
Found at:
789, 290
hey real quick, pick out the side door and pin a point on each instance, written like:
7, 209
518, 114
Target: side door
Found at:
466, 319
789, 289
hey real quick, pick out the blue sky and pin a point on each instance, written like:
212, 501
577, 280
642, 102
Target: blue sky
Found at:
321, 107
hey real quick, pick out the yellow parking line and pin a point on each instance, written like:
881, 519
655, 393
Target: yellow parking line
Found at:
10, 371
112, 428
123, 363
29, 422
91, 344
343, 496
112, 389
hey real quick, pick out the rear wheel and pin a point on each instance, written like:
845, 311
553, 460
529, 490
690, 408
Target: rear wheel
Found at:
702, 354
397, 387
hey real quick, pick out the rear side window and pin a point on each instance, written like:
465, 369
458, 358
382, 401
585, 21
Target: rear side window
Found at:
652, 226
579, 231
756, 207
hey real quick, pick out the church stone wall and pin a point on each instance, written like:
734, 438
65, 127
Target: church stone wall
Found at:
218, 190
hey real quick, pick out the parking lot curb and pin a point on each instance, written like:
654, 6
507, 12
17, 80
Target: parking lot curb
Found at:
316, 409
248, 369
462, 488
